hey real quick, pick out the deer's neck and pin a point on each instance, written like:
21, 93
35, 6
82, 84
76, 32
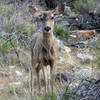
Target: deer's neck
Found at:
48, 36
48, 40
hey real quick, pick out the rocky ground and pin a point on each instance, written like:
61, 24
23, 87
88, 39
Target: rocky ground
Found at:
75, 74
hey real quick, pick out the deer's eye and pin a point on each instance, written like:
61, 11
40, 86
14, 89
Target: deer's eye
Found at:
52, 17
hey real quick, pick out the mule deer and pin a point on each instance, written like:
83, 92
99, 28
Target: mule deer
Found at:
43, 49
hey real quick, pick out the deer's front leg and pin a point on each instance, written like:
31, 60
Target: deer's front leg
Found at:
52, 78
45, 79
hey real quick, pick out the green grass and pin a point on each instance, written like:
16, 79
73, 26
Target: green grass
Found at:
6, 47
4, 8
0, 97
25, 28
8, 28
47, 97
61, 30
84, 6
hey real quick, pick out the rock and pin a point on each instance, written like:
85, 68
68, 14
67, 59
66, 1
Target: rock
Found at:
65, 49
60, 43
74, 84
67, 11
79, 45
59, 59
98, 75
83, 73
84, 56
98, 8
1, 61
62, 47
11, 58
16, 83
94, 42
11, 67
73, 36
18, 73
63, 76
64, 23
5, 77
86, 89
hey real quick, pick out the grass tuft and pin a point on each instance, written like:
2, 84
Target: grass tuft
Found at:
61, 30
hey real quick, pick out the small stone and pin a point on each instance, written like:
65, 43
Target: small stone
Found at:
74, 84
67, 11
84, 56
65, 49
16, 83
18, 73
85, 72
74, 36
98, 75
59, 59
11, 67
60, 43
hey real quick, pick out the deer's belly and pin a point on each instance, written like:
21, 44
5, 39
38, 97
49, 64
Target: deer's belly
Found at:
47, 61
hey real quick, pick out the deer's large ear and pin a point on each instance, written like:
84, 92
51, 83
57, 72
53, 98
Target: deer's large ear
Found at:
59, 9
33, 10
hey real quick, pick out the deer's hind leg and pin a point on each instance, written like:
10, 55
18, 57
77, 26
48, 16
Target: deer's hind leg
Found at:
32, 78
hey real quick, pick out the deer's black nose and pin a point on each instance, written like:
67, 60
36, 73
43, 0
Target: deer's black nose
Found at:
47, 28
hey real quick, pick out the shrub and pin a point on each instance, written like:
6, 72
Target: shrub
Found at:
4, 8
8, 28
6, 47
84, 6
61, 30
24, 28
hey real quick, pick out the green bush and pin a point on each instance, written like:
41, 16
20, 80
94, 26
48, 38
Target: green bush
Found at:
4, 8
6, 47
8, 28
61, 30
24, 28
84, 6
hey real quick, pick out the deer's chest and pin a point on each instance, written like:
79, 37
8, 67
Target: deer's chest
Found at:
48, 56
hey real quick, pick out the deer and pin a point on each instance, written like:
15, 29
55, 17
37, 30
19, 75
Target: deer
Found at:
43, 49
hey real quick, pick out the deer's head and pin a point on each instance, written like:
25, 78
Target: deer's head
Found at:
45, 17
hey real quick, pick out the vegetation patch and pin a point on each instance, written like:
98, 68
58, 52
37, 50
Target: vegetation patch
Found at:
61, 30
6, 47
84, 6
24, 28
4, 8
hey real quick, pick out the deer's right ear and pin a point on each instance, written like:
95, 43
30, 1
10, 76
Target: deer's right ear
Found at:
32, 9
59, 9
